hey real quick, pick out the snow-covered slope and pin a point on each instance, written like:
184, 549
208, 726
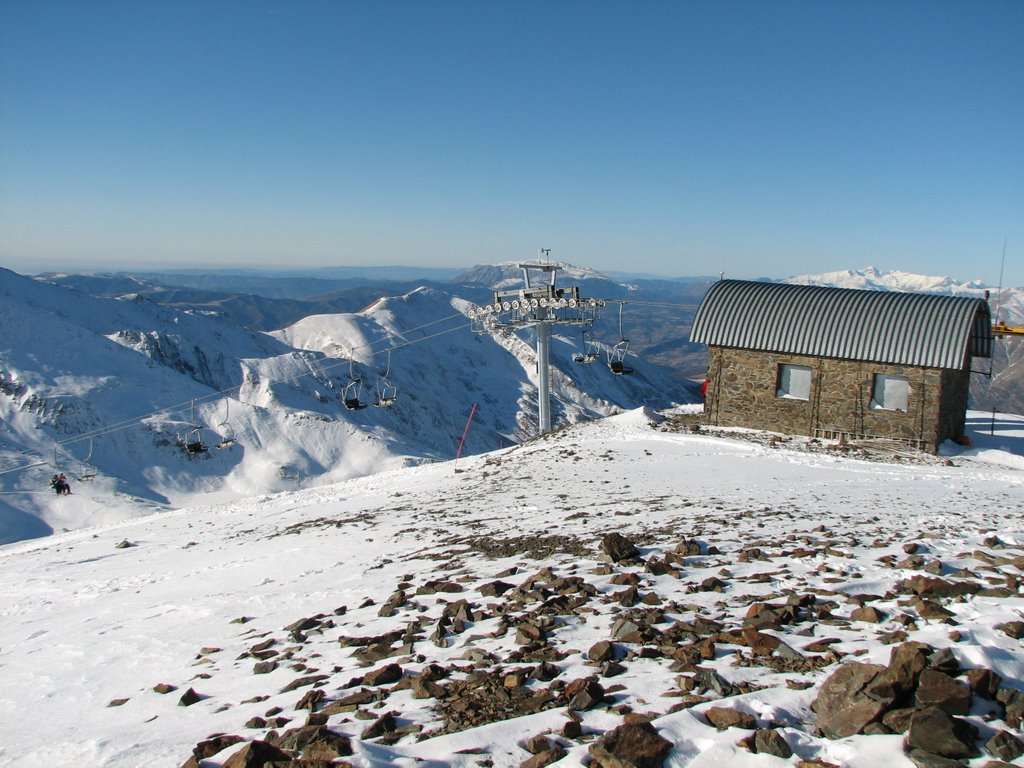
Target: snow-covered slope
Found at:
112, 387
124, 646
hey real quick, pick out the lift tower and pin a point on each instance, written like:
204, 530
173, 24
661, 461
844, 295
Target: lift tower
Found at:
542, 304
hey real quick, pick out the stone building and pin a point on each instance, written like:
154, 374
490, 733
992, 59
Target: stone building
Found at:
838, 362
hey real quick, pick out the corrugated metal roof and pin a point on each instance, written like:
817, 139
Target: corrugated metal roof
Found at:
878, 326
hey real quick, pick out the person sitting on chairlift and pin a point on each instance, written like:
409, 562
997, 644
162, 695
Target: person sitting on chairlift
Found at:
60, 485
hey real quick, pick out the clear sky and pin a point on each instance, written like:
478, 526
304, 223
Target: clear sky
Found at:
679, 138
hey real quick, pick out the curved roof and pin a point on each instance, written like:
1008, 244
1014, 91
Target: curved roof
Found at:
922, 329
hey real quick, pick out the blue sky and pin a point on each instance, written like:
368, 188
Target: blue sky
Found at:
675, 138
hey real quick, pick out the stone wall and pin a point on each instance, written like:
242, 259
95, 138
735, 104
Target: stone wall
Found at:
742, 386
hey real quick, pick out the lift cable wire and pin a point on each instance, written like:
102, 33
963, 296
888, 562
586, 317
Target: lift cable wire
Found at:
187, 405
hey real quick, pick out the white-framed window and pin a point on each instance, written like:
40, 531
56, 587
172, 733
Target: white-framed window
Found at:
794, 382
890, 393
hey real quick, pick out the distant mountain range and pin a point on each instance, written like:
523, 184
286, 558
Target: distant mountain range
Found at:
118, 388
112, 373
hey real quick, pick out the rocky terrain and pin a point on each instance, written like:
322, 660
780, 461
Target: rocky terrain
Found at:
623, 593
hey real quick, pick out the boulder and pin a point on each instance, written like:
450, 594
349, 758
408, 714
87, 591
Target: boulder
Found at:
725, 717
1005, 746
617, 547
584, 693
937, 689
768, 741
256, 754
633, 745
935, 731
843, 705
390, 673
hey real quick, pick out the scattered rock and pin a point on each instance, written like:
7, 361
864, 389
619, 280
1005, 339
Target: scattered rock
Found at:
768, 741
843, 706
634, 745
1005, 746
724, 717
617, 547
935, 731
256, 754
1014, 629
391, 673
938, 689
189, 697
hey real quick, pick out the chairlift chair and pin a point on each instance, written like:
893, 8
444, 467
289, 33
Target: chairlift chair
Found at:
350, 396
87, 471
617, 353
227, 433
193, 440
387, 392
591, 349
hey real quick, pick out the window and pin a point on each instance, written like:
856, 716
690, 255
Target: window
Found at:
890, 393
794, 382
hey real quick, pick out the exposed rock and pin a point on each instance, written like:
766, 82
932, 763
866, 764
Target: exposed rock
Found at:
944, 660
315, 743
383, 724
867, 613
601, 651
495, 588
923, 759
189, 697
264, 667
635, 745
537, 744
385, 675
843, 706
584, 693
256, 754
933, 730
1005, 746
937, 689
617, 547
1014, 629
211, 746
547, 757
768, 741
709, 680
932, 586
898, 720
906, 663
984, 682
725, 717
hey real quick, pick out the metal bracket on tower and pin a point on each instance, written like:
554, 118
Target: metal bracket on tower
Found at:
541, 303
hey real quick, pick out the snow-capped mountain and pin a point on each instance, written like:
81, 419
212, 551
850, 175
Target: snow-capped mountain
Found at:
891, 280
999, 383
115, 387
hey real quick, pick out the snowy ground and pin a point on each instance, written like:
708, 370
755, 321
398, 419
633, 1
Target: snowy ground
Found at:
89, 628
